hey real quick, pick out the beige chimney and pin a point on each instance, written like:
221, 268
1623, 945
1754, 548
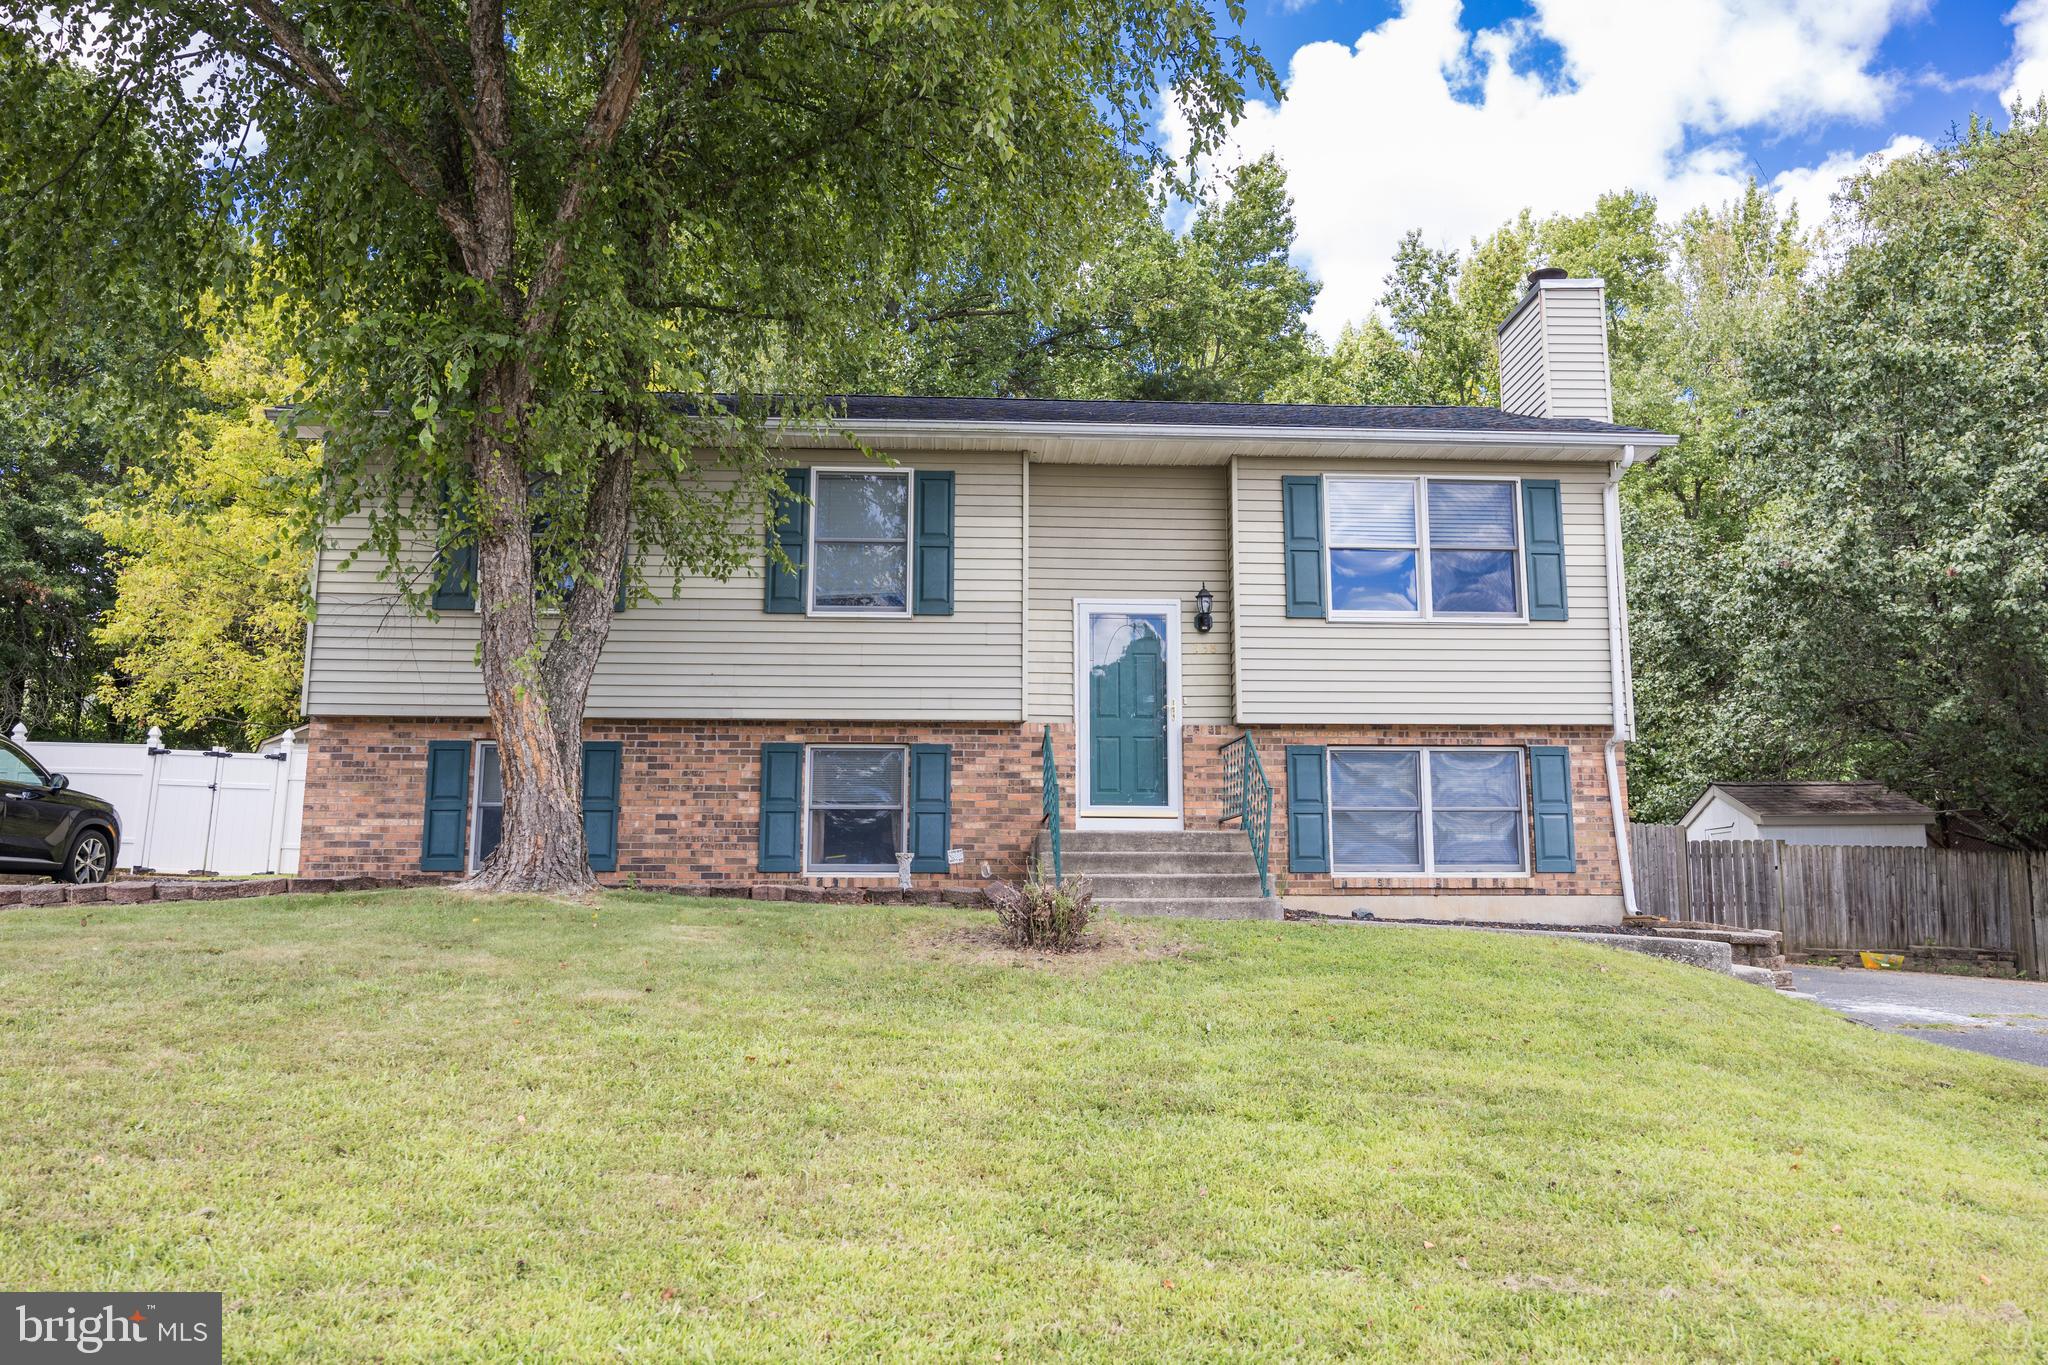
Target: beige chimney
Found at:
1553, 350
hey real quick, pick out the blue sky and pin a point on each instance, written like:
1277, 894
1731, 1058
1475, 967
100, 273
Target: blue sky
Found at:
1450, 116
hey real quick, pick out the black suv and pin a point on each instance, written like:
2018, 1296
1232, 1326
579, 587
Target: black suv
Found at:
47, 827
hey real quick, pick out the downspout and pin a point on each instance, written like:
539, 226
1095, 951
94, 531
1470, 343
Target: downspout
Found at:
1618, 665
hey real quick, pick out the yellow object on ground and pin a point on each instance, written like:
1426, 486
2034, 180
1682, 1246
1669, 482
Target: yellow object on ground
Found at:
1883, 961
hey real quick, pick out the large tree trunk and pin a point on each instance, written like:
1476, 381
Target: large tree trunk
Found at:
538, 682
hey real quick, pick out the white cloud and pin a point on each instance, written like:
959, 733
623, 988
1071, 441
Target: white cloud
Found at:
2029, 20
1423, 123
1809, 188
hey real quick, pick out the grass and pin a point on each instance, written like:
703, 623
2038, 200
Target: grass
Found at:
414, 1126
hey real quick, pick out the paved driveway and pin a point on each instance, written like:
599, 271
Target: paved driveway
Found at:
2003, 1018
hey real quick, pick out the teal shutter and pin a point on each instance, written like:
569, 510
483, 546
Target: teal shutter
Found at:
1308, 810
601, 774
1301, 513
782, 807
447, 816
931, 806
1550, 785
457, 589
1543, 525
933, 595
788, 526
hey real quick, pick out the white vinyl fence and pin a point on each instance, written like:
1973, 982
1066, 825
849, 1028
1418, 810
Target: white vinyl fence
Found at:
185, 810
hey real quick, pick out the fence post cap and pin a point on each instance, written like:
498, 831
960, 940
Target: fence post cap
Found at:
156, 737
19, 734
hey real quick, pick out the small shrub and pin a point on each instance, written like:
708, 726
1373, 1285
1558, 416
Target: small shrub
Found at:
1042, 915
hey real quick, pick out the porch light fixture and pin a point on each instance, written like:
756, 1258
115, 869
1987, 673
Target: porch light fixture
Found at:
1204, 600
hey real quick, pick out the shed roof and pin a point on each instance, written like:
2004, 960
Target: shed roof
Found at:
1821, 802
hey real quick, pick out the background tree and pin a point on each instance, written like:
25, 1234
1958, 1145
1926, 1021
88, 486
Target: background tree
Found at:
1215, 313
1435, 338
1688, 512
207, 625
507, 237
1898, 584
90, 337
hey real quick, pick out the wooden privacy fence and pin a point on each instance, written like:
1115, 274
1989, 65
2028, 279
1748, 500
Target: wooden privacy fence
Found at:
1841, 898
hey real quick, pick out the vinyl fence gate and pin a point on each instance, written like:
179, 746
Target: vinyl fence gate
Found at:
185, 810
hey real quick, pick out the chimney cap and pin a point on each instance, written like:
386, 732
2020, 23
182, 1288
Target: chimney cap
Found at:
1548, 272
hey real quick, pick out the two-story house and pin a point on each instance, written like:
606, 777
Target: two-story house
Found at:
1403, 625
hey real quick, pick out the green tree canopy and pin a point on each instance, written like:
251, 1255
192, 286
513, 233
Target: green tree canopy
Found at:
91, 309
1897, 582
1216, 313
207, 626
509, 237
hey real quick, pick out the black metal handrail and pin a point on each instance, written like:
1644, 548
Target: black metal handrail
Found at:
1248, 799
1052, 801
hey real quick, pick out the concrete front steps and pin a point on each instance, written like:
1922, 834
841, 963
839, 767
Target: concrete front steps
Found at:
1193, 873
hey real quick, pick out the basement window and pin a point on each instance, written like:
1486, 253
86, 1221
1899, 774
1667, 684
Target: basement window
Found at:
487, 802
1427, 811
853, 809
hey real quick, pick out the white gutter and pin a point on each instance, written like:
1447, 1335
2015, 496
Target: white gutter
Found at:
1618, 661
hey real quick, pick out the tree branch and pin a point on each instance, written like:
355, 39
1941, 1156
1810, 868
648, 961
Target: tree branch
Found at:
309, 73
615, 97
456, 97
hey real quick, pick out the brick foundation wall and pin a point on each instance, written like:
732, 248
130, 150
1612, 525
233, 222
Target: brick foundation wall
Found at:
690, 795
1599, 868
689, 799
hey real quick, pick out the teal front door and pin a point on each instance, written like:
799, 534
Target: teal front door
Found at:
1127, 737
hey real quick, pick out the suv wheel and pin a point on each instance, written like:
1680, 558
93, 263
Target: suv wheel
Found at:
91, 858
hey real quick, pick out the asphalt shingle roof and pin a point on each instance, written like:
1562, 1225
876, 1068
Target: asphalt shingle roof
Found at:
1334, 417
1821, 800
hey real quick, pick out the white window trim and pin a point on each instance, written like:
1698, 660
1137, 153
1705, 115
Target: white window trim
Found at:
476, 792
811, 607
1424, 611
1430, 871
804, 816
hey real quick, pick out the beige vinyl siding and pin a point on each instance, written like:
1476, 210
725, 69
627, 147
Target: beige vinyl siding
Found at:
1521, 363
1575, 333
1420, 672
1130, 531
712, 652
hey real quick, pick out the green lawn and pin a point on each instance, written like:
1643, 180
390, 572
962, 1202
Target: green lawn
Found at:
408, 1125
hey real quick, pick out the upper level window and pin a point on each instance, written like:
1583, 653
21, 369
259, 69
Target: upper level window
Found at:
1426, 810
860, 542
1424, 547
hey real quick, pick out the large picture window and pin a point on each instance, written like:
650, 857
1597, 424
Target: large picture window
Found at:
860, 542
1424, 548
854, 809
1427, 810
